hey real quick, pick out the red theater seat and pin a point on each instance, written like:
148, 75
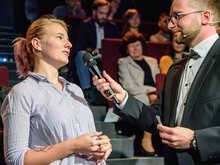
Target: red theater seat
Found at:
4, 76
110, 56
156, 49
159, 82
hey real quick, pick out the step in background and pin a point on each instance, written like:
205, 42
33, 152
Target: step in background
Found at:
122, 147
107, 129
99, 112
136, 161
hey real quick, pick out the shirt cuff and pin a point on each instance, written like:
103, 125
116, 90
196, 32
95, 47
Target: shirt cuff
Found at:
124, 102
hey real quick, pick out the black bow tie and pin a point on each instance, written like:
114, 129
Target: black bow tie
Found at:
192, 54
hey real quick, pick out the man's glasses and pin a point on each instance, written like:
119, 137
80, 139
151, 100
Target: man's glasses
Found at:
175, 18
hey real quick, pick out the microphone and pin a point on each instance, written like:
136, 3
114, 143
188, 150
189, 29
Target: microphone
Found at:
186, 34
91, 64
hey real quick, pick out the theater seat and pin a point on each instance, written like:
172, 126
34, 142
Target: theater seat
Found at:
156, 49
4, 76
159, 82
110, 56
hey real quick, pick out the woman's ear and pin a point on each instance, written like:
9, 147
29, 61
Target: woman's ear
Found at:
36, 44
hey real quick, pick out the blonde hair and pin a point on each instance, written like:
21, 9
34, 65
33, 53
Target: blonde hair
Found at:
23, 49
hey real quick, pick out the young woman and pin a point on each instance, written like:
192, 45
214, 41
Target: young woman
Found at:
131, 21
46, 119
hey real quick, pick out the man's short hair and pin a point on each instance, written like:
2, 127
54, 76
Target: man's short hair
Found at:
212, 5
98, 3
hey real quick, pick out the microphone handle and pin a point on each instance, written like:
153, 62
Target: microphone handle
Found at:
110, 93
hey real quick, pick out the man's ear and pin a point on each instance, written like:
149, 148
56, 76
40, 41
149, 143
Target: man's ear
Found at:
206, 17
159, 23
36, 44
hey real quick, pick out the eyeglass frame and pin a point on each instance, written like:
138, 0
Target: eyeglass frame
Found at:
179, 14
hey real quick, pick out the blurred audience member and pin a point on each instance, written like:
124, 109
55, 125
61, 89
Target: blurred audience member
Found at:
114, 5
131, 21
218, 30
31, 11
91, 32
163, 35
72, 7
174, 53
137, 75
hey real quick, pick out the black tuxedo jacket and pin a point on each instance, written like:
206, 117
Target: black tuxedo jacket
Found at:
201, 113
86, 36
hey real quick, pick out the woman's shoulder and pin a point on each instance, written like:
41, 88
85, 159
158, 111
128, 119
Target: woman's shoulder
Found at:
151, 59
76, 89
23, 86
124, 58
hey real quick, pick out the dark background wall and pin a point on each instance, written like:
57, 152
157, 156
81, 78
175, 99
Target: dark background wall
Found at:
6, 14
12, 12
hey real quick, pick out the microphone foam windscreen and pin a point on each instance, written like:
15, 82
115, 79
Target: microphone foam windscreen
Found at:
88, 60
87, 57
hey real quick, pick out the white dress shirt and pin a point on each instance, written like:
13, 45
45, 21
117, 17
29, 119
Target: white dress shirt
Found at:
99, 35
36, 114
191, 69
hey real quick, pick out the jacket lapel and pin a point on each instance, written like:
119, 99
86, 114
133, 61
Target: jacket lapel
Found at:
132, 62
198, 81
175, 90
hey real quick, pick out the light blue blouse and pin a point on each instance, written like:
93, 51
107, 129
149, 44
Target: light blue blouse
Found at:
36, 113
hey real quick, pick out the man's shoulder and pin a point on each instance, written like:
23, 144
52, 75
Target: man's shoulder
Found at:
178, 63
88, 20
110, 24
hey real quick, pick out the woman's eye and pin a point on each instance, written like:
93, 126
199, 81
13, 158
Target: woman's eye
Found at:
59, 37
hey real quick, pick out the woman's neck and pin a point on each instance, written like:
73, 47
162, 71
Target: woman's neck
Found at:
133, 29
178, 55
50, 72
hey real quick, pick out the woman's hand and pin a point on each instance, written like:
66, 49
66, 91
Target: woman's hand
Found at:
84, 144
106, 146
102, 86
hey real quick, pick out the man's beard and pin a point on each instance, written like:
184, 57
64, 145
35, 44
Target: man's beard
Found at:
187, 37
100, 22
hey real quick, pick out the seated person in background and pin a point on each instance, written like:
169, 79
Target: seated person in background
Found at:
91, 32
46, 119
132, 22
137, 75
218, 30
114, 5
174, 53
72, 7
31, 11
163, 35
